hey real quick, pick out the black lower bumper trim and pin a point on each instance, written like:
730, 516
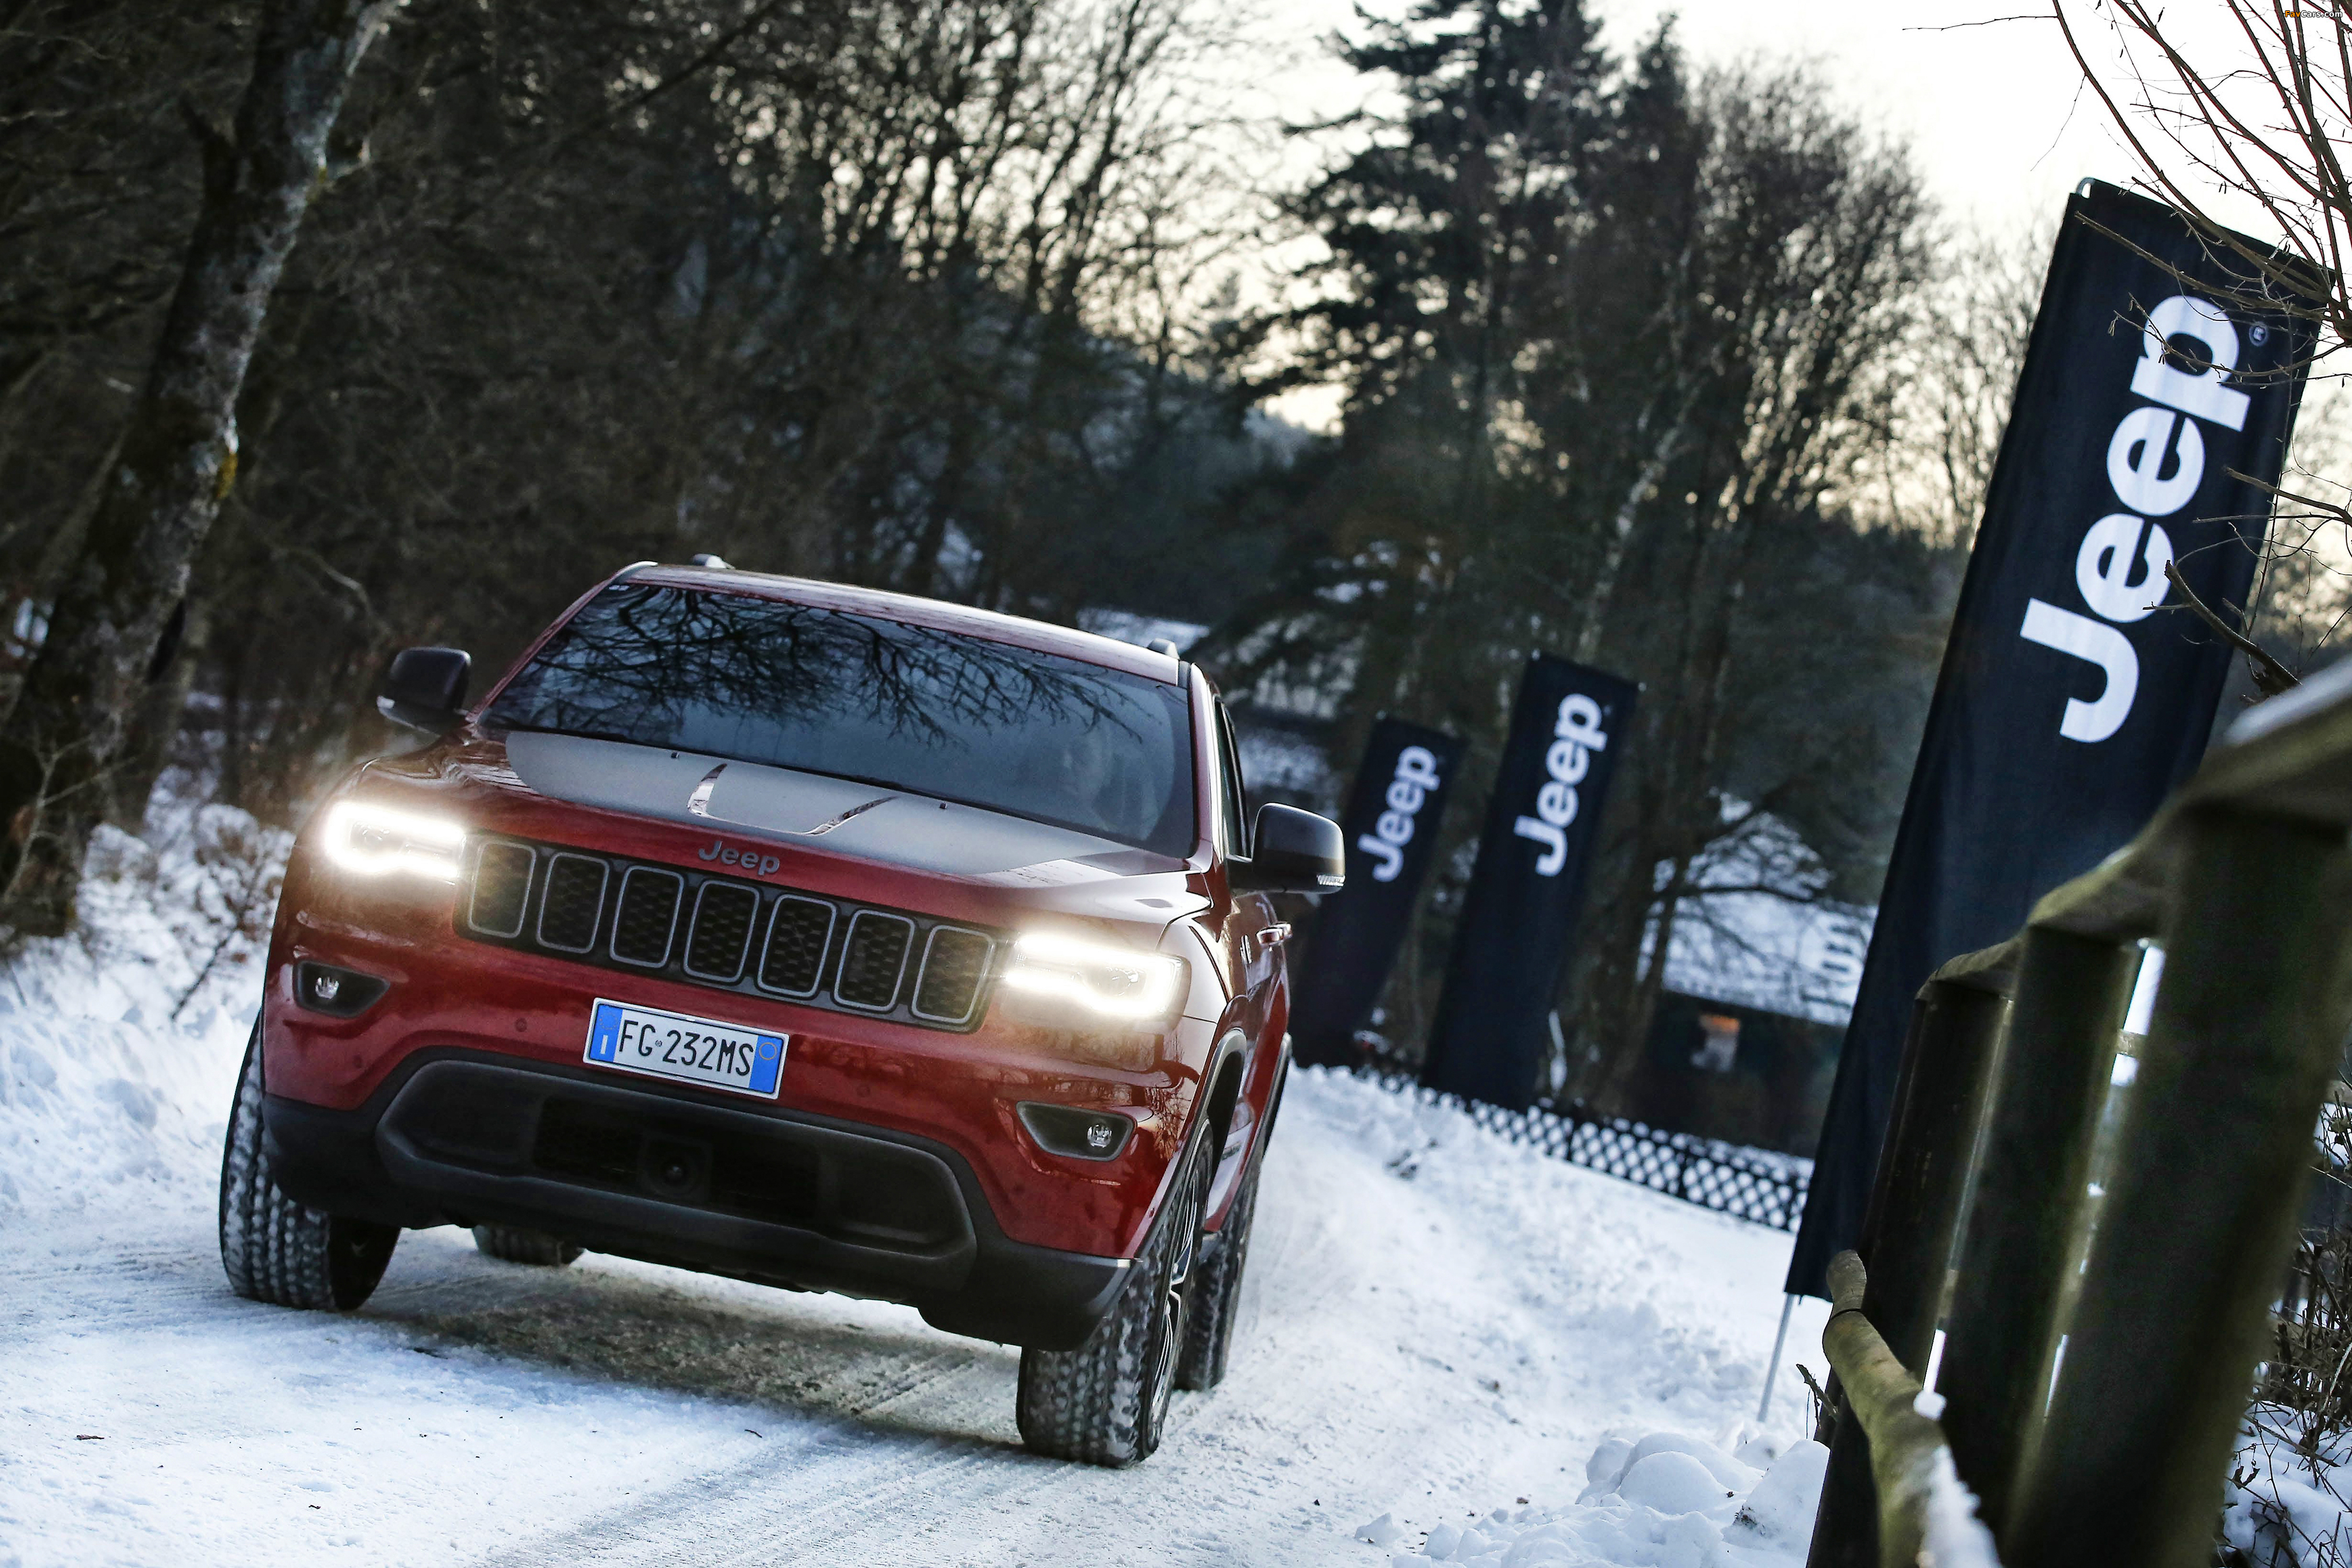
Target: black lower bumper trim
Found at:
778, 1197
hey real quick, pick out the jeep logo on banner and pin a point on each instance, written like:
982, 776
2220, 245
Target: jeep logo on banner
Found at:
1390, 827
2155, 466
2074, 694
1566, 733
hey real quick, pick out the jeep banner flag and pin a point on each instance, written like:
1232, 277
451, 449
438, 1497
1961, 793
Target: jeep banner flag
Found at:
1566, 734
1390, 827
2075, 693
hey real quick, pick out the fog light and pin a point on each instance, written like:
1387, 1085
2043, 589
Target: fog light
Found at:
339, 993
1079, 1134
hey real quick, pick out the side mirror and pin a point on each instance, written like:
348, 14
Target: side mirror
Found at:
425, 688
1296, 851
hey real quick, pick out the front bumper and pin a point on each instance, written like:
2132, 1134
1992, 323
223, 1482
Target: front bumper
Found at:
780, 1196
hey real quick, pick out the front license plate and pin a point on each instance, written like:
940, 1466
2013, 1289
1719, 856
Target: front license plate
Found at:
690, 1049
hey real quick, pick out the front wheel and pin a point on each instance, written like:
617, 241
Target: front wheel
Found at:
1106, 1403
273, 1249
1217, 1293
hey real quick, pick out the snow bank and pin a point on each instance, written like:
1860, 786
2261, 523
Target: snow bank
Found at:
2285, 1505
1590, 1256
1645, 1281
120, 1045
1664, 1500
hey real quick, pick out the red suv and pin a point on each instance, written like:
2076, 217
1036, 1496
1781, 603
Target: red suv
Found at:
822, 937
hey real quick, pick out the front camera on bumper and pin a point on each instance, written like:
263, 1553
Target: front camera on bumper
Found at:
1096, 982
376, 840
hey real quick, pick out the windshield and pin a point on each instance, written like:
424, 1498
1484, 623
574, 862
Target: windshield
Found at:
935, 713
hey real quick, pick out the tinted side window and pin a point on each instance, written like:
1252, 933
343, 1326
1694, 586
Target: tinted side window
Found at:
1233, 813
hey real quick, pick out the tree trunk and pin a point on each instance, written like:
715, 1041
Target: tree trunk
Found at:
146, 749
177, 460
1639, 1003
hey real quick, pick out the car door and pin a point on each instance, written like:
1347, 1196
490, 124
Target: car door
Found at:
1251, 932
1254, 935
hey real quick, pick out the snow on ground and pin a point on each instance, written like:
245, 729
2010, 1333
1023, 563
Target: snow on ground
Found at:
2290, 1494
1451, 1348
114, 1042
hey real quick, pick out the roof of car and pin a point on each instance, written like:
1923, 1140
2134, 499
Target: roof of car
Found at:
1039, 636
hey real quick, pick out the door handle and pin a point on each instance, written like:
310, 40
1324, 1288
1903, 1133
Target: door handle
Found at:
1269, 937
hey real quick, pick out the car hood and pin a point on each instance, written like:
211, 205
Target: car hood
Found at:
835, 816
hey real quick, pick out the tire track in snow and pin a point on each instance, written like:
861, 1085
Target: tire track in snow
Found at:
1408, 1343
848, 1496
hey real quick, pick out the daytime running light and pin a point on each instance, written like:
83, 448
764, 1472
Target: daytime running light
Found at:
1108, 982
376, 840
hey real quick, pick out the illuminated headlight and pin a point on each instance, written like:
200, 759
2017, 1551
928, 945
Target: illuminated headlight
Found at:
1096, 980
375, 840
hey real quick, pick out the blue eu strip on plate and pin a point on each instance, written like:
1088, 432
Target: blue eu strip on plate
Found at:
656, 1043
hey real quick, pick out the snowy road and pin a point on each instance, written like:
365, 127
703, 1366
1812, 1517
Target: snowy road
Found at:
1434, 1322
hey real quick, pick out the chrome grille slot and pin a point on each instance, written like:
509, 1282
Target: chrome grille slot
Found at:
574, 898
873, 958
685, 925
501, 888
724, 916
798, 934
647, 915
954, 963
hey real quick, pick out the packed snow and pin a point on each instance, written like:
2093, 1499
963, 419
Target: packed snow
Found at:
1452, 1349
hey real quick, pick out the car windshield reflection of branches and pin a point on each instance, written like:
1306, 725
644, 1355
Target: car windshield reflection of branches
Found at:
903, 706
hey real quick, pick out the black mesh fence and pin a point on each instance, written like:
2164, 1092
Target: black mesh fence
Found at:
1745, 1184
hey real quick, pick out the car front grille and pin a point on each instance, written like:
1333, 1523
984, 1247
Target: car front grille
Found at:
864, 1191
646, 921
873, 960
727, 935
502, 884
724, 915
955, 962
573, 904
799, 931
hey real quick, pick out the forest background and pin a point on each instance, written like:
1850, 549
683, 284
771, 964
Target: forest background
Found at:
1673, 370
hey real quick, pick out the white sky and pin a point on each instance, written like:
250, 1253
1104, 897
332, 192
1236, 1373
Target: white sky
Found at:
1989, 107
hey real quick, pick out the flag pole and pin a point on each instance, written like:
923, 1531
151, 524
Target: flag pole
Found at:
1772, 1368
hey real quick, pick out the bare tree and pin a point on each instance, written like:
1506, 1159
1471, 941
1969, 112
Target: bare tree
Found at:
899, 291
1819, 238
2240, 119
1940, 418
1615, 344
96, 203
177, 461
2263, 131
